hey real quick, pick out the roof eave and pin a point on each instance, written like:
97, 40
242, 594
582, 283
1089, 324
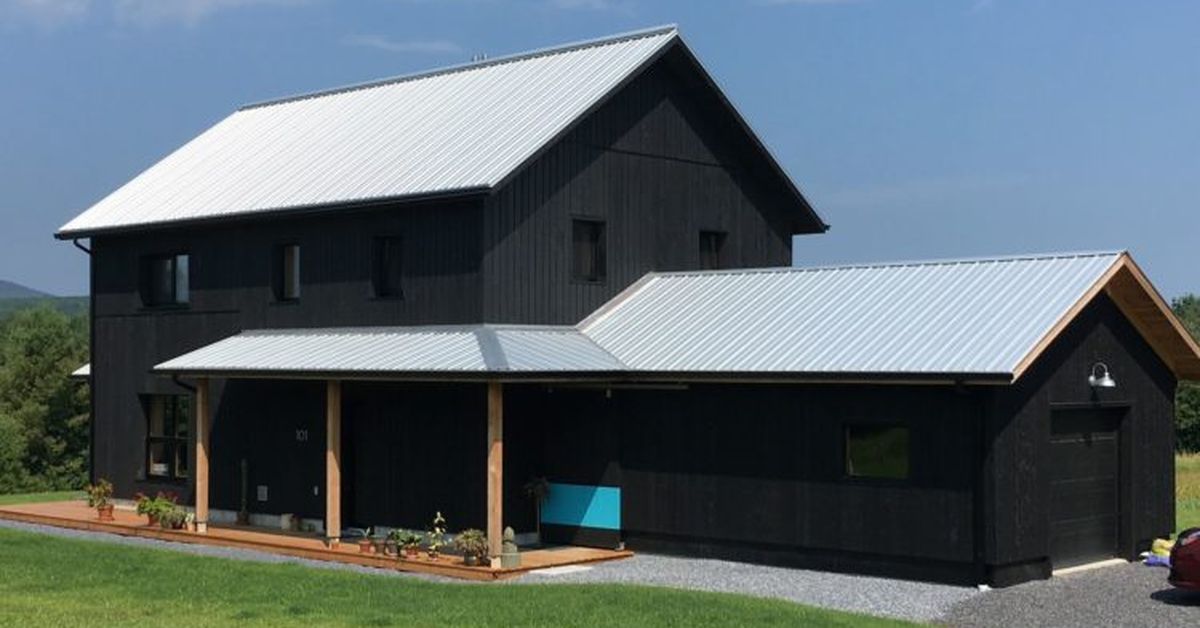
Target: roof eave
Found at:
267, 214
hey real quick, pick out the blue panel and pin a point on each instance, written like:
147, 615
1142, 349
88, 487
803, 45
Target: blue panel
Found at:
585, 506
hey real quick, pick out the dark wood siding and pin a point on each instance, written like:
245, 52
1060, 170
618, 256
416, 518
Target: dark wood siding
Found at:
1018, 427
231, 291
659, 163
755, 472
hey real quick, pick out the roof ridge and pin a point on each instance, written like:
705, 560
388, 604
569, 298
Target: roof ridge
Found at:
471, 65
950, 261
431, 328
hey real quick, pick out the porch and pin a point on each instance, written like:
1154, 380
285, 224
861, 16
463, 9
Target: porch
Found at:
77, 515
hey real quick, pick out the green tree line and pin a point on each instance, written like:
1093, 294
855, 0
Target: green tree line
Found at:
1187, 400
43, 413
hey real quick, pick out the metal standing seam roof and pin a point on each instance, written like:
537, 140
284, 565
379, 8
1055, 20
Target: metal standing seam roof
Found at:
435, 349
976, 318
979, 317
459, 129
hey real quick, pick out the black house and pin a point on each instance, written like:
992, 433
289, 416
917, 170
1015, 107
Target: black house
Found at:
364, 305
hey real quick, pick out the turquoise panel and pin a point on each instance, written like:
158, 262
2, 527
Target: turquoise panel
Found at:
585, 506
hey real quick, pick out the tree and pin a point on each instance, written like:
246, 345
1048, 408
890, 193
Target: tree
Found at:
43, 414
1187, 399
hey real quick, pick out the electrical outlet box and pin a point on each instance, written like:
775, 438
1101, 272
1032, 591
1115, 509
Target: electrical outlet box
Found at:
262, 492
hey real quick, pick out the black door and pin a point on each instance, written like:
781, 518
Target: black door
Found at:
1084, 493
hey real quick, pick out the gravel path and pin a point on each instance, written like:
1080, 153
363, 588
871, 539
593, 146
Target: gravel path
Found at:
1122, 595
902, 599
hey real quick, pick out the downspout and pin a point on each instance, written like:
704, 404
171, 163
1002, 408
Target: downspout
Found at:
92, 361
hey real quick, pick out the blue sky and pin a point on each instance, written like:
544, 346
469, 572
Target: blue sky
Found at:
918, 128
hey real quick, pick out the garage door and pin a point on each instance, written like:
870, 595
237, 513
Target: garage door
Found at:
1084, 494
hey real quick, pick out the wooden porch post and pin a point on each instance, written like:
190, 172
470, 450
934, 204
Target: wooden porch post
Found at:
495, 469
203, 431
333, 462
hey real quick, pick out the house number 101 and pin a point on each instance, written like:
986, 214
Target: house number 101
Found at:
302, 436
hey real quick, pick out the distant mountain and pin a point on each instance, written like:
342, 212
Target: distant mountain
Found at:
10, 290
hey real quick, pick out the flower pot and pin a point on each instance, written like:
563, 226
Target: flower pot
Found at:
389, 548
365, 546
471, 560
105, 512
152, 519
433, 554
411, 551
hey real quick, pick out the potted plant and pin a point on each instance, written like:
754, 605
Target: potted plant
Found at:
538, 490
99, 496
366, 544
436, 537
172, 518
407, 540
389, 544
154, 507
472, 544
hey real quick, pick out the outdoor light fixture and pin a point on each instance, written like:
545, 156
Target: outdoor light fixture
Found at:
1104, 380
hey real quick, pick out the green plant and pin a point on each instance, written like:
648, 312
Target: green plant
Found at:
471, 542
173, 518
154, 507
99, 494
436, 537
406, 539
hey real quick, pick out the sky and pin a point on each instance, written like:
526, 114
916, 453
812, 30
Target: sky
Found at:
917, 128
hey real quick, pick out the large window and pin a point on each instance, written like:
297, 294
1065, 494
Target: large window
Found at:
588, 262
167, 436
386, 267
877, 451
711, 243
287, 272
165, 280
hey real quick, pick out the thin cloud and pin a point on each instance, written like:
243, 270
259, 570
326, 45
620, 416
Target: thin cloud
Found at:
149, 12
808, 2
415, 46
44, 13
982, 5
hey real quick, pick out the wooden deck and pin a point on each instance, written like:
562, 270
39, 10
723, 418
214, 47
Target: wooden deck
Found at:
77, 515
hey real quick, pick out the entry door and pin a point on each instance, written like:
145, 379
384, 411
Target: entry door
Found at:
1084, 486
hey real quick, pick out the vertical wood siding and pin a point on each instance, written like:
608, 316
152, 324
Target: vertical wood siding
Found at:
1018, 428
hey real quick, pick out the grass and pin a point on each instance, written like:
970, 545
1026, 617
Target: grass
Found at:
1187, 491
30, 498
54, 581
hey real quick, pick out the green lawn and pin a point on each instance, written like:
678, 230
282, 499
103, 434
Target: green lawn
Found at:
1187, 491
53, 581
30, 498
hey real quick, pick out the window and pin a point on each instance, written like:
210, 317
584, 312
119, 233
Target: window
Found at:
287, 273
165, 280
877, 451
386, 267
167, 436
588, 261
711, 243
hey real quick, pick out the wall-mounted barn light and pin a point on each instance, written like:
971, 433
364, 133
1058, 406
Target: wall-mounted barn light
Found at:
1104, 380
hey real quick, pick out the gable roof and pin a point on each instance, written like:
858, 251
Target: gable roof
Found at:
975, 319
464, 129
971, 320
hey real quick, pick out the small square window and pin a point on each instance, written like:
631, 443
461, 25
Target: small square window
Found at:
387, 267
588, 259
165, 280
287, 274
877, 451
711, 243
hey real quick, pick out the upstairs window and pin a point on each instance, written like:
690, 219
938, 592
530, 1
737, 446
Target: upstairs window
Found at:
877, 451
588, 261
711, 243
386, 267
167, 436
287, 272
165, 280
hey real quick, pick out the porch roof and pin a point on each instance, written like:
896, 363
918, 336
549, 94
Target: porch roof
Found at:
362, 351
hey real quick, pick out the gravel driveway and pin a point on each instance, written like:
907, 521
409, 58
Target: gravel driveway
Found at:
1122, 595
